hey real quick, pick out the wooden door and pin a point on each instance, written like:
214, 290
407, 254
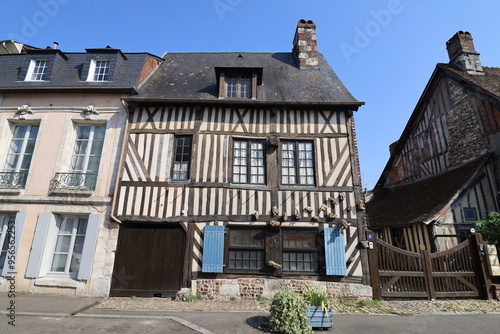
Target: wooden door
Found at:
149, 261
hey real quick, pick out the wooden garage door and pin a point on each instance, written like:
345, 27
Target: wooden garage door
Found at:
149, 261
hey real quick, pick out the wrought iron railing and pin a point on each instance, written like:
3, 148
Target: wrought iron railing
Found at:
73, 181
13, 180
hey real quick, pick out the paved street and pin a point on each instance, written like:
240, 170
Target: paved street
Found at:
245, 322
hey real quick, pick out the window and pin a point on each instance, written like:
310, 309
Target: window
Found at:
69, 245
297, 164
6, 224
239, 86
37, 70
85, 160
99, 70
182, 158
238, 83
246, 249
300, 250
63, 245
248, 161
470, 214
19, 156
88, 148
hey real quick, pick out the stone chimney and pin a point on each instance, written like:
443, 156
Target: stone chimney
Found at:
462, 53
305, 46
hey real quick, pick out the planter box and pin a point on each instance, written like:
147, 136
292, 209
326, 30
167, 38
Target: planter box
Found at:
317, 318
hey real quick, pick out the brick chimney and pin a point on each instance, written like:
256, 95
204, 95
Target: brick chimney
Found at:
305, 46
462, 53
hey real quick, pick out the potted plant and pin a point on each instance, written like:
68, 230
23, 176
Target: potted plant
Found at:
288, 314
319, 312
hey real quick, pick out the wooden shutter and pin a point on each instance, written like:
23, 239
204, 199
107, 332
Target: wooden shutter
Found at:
36, 254
89, 247
213, 249
335, 252
18, 232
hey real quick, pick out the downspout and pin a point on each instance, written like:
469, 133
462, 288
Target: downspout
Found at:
120, 163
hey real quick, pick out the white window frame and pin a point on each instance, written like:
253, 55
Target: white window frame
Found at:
44, 243
94, 67
35, 71
250, 171
87, 153
70, 253
296, 164
22, 153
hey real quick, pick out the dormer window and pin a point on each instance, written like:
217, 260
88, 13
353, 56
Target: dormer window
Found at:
238, 83
99, 70
239, 86
37, 70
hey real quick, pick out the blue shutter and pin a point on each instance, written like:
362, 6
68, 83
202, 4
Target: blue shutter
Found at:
18, 232
89, 247
335, 252
35, 260
213, 249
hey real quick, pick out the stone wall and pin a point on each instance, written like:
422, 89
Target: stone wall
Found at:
253, 288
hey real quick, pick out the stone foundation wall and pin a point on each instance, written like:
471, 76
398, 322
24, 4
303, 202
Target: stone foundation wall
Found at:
253, 288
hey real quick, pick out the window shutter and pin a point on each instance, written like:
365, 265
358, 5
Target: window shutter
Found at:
335, 252
213, 249
35, 260
18, 232
89, 247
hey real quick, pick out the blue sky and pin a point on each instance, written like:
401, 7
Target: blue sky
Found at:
383, 50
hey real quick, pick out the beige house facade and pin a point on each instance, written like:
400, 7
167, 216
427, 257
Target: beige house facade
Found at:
61, 128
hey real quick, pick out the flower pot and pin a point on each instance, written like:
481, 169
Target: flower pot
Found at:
319, 319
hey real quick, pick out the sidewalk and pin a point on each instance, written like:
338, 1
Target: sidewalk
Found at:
207, 317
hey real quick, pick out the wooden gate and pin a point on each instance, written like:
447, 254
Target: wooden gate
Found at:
457, 272
149, 261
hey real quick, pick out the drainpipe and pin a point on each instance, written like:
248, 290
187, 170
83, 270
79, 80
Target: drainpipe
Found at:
120, 164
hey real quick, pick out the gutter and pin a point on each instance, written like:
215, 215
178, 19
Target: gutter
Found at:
120, 163
346, 105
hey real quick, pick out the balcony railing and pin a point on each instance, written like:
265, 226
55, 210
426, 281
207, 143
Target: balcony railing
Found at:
73, 181
13, 180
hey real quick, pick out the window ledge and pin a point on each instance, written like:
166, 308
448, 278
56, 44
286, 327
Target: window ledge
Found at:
57, 282
10, 191
66, 192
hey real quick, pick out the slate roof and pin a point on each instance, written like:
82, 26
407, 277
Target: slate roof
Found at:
67, 75
490, 81
420, 201
192, 76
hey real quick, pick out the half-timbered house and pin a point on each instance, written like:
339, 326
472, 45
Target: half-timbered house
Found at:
443, 173
240, 176
61, 126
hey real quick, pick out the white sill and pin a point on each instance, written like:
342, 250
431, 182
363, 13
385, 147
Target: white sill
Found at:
57, 282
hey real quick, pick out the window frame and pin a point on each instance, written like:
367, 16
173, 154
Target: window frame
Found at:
296, 163
88, 152
71, 246
93, 68
467, 216
248, 166
5, 221
302, 250
33, 70
175, 162
238, 74
318, 248
228, 248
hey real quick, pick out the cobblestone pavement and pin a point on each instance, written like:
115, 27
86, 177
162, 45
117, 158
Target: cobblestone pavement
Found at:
371, 307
